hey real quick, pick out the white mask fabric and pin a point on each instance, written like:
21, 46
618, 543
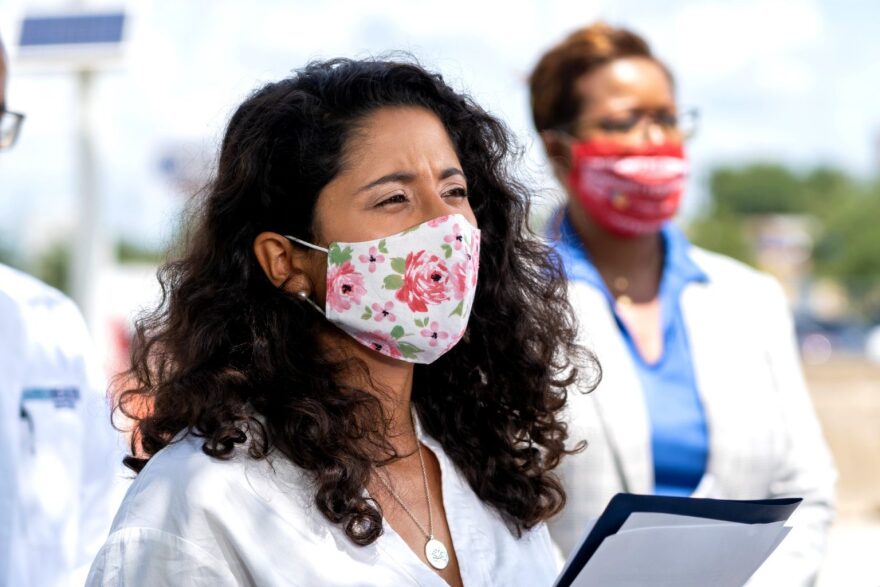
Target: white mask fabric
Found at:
409, 295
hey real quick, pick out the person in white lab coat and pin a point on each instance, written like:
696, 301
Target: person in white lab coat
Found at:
57, 447
330, 394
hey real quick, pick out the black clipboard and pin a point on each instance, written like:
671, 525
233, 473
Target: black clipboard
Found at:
759, 511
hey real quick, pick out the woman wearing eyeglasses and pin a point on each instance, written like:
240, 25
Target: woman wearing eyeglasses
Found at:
702, 392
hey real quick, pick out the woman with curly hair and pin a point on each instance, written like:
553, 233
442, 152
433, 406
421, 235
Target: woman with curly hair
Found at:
357, 370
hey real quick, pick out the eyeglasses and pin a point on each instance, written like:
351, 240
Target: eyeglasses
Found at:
684, 123
10, 124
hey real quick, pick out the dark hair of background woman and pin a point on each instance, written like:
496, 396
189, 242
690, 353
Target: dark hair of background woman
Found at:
226, 345
556, 103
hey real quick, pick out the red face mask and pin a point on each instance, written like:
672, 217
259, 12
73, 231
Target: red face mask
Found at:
630, 191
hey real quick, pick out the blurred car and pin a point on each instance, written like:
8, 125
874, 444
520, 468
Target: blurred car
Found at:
819, 339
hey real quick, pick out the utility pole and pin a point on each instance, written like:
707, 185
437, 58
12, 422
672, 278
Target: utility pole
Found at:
81, 42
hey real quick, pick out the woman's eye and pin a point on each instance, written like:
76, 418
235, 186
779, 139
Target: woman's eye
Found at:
667, 119
395, 199
457, 193
624, 124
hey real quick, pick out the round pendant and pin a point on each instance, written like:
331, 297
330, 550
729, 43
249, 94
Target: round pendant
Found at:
436, 554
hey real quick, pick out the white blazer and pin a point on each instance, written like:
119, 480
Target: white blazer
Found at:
764, 438
59, 456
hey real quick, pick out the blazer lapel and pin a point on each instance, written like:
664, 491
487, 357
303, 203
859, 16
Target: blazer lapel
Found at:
618, 399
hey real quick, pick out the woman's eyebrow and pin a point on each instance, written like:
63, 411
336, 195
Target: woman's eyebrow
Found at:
400, 176
406, 176
450, 171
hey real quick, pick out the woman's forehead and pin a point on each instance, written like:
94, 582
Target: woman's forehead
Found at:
394, 138
624, 81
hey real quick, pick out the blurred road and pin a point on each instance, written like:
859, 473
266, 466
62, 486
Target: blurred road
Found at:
846, 393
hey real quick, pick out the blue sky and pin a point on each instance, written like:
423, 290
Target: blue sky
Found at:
789, 80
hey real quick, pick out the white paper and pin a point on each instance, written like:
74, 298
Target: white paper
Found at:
706, 487
571, 556
638, 520
680, 553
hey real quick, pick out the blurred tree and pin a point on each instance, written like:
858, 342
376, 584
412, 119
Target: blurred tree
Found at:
825, 186
722, 233
129, 252
756, 189
8, 255
847, 211
849, 247
53, 266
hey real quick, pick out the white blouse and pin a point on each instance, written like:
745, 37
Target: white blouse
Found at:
189, 519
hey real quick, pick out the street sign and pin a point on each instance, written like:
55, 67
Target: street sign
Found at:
72, 40
72, 29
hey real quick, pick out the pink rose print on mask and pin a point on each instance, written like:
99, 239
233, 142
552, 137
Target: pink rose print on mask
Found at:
425, 281
460, 279
372, 258
455, 239
434, 333
437, 221
345, 286
474, 258
381, 312
381, 342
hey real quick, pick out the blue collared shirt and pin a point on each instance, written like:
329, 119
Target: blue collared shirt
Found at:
679, 435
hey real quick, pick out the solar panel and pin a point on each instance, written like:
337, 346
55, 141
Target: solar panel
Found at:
75, 29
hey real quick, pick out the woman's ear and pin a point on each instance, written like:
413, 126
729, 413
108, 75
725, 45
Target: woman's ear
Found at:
285, 265
557, 145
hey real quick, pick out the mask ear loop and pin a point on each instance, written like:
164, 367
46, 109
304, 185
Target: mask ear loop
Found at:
302, 294
305, 297
307, 244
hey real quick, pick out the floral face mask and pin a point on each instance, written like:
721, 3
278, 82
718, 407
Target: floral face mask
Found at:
407, 296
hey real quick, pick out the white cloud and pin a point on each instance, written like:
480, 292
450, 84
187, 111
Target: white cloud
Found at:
784, 76
716, 38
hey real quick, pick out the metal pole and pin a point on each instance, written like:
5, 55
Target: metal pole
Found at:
89, 245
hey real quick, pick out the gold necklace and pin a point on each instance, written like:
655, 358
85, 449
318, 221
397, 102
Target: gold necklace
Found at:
435, 551
620, 285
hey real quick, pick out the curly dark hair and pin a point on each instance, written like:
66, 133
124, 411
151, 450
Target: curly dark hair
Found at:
227, 356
